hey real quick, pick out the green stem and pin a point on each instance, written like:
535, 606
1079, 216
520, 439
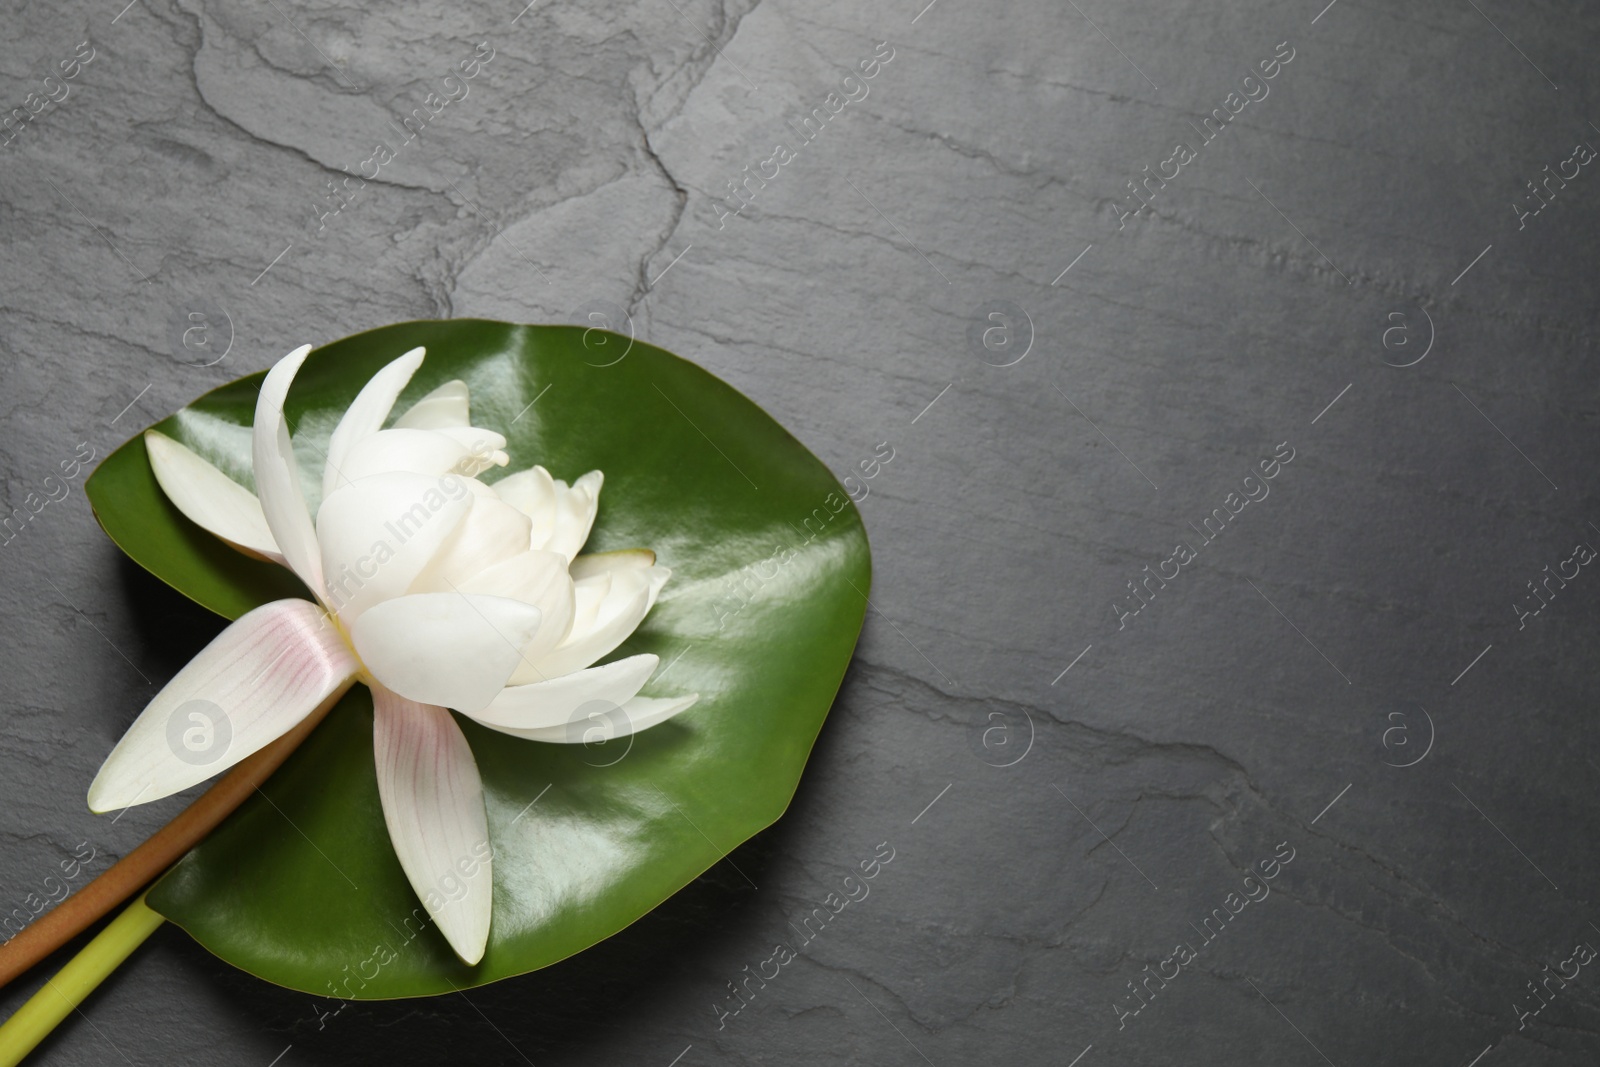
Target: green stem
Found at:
62, 994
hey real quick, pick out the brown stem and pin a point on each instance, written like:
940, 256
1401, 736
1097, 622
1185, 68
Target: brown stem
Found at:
141, 866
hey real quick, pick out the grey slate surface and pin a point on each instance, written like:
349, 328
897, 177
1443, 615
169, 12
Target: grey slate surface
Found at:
1279, 290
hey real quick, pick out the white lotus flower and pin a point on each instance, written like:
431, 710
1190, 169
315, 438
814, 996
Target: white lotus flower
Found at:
435, 590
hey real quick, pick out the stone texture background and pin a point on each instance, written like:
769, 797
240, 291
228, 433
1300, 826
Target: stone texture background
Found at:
1360, 615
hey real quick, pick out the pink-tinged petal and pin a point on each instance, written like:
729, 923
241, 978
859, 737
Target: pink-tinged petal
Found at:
412, 451
433, 805
445, 407
602, 723
209, 498
367, 414
492, 532
452, 649
278, 475
553, 702
596, 563
575, 510
537, 578
627, 600
378, 533
262, 675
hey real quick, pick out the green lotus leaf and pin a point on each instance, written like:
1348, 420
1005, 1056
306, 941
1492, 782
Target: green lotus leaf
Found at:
771, 570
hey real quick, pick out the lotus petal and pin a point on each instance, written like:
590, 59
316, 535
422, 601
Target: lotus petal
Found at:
414, 451
445, 407
209, 498
588, 596
576, 506
378, 533
485, 448
433, 805
556, 701
634, 716
537, 578
627, 600
278, 475
596, 563
452, 649
493, 531
532, 492
253, 683
367, 414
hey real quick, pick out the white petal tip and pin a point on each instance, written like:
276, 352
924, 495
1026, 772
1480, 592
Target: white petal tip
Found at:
99, 802
467, 944
411, 360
